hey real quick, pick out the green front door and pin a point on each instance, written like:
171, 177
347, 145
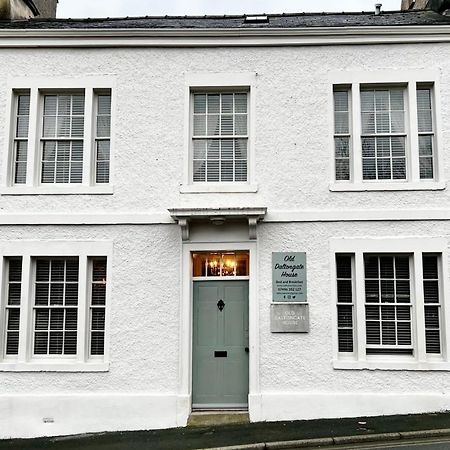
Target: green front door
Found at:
220, 344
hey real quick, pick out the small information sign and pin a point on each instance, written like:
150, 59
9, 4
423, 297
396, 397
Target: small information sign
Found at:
289, 277
289, 318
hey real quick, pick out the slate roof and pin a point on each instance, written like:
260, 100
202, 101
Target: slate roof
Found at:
301, 20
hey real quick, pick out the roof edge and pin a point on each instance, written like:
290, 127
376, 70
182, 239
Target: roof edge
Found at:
230, 37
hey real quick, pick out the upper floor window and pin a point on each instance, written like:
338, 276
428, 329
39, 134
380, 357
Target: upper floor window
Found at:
219, 151
384, 136
61, 140
220, 137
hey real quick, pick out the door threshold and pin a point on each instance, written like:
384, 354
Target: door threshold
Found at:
219, 410
213, 417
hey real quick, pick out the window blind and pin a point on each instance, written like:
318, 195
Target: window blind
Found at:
62, 138
344, 276
103, 138
98, 307
432, 303
21, 138
220, 137
383, 134
426, 134
388, 304
56, 306
342, 134
12, 307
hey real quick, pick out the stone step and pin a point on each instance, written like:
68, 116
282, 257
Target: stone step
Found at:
212, 418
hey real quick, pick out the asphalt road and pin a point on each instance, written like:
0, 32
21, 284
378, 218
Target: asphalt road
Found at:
422, 444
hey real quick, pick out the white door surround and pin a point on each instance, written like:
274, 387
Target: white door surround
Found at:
184, 406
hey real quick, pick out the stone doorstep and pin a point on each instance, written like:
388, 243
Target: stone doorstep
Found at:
213, 418
338, 441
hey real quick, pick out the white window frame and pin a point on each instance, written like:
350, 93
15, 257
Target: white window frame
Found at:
29, 251
210, 82
37, 88
410, 79
414, 246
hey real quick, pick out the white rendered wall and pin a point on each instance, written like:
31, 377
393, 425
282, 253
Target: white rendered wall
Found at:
140, 391
293, 135
292, 125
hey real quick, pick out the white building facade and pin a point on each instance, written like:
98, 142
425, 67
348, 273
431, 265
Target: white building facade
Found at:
143, 161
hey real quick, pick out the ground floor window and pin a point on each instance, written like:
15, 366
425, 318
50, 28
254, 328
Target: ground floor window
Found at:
54, 304
390, 304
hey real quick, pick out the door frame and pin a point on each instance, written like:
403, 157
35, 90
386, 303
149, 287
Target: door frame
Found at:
186, 322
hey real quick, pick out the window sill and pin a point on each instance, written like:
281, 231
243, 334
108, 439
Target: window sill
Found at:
57, 190
437, 364
380, 186
56, 366
201, 188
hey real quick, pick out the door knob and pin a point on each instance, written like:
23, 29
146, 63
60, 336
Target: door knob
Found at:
221, 305
247, 350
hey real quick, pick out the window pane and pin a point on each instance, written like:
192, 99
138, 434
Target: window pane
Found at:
424, 112
222, 116
240, 103
200, 104
104, 104
57, 287
387, 283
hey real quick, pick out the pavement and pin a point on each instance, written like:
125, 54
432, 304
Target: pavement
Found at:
334, 433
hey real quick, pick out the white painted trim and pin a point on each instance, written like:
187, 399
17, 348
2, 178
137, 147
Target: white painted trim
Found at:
389, 186
353, 35
202, 188
219, 80
355, 137
384, 76
55, 248
438, 129
88, 138
186, 311
273, 216
62, 82
391, 244
54, 366
359, 309
209, 80
25, 311
9, 131
70, 189
412, 137
412, 365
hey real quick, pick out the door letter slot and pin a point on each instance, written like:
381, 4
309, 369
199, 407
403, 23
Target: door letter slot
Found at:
220, 354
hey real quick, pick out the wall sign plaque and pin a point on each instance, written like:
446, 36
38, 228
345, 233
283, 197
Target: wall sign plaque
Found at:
289, 318
289, 277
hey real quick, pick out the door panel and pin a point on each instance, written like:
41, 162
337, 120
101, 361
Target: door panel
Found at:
220, 381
